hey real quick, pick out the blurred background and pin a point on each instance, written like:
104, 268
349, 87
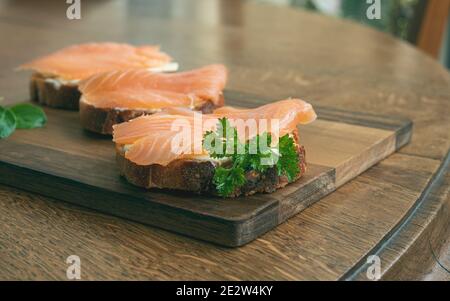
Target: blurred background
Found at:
423, 23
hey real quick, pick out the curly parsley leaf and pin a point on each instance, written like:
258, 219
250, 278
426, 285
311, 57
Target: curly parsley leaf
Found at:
288, 162
228, 179
222, 142
257, 154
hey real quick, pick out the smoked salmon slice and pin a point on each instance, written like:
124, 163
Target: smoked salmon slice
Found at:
155, 139
78, 62
144, 90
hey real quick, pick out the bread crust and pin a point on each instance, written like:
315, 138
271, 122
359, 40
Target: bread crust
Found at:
189, 175
46, 92
197, 176
101, 120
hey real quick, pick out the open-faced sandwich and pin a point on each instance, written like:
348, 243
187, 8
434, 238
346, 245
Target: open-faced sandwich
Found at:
56, 76
229, 153
117, 96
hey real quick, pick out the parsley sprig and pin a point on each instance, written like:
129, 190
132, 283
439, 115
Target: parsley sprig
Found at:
257, 154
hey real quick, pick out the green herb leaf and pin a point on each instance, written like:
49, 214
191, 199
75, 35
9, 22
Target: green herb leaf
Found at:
223, 142
255, 159
29, 116
288, 161
7, 122
228, 179
258, 155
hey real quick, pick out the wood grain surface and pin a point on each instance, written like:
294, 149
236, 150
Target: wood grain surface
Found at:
79, 167
273, 51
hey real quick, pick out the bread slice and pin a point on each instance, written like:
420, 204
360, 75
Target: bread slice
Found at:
197, 175
101, 120
53, 92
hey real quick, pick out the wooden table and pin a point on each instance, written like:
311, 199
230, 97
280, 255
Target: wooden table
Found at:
398, 210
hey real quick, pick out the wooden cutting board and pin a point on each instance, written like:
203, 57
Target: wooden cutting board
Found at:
67, 163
